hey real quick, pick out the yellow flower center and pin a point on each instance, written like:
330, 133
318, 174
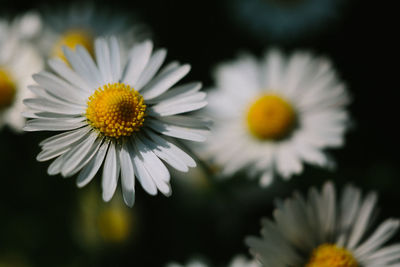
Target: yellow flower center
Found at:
72, 38
115, 224
7, 89
270, 117
329, 255
116, 110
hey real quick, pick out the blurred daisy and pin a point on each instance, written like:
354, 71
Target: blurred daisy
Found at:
322, 231
99, 223
18, 61
282, 20
238, 261
273, 115
121, 114
81, 24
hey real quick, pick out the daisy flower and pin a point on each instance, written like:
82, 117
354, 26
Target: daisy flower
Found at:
99, 223
273, 115
322, 231
18, 61
81, 24
237, 261
282, 20
117, 113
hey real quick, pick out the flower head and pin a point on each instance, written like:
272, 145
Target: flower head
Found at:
81, 24
18, 61
326, 231
122, 114
272, 115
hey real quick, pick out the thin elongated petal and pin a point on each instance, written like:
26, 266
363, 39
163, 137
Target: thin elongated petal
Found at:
151, 69
110, 173
164, 81
138, 58
127, 176
68, 74
90, 170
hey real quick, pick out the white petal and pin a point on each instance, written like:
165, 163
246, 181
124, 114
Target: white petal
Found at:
274, 69
363, 220
164, 81
141, 173
110, 173
182, 105
65, 138
382, 234
80, 66
151, 69
157, 170
165, 154
41, 104
115, 59
127, 176
153, 164
68, 74
197, 135
51, 153
77, 157
287, 162
60, 88
102, 52
89, 64
90, 170
55, 166
178, 91
172, 149
53, 125
138, 59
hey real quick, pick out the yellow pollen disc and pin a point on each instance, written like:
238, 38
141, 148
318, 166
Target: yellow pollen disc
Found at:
115, 224
116, 110
329, 255
270, 117
71, 39
7, 89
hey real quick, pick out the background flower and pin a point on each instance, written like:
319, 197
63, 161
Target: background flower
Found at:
82, 23
37, 211
273, 114
325, 230
18, 61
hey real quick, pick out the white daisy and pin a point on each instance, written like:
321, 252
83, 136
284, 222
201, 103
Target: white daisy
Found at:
98, 223
118, 113
322, 231
237, 261
80, 24
284, 20
18, 61
273, 115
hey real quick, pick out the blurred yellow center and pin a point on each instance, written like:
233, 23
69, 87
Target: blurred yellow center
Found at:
270, 117
115, 224
116, 110
329, 255
71, 39
7, 89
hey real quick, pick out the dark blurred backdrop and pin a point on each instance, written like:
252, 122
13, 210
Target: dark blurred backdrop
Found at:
38, 212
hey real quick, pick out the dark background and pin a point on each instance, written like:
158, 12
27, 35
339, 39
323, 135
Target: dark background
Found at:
37, 211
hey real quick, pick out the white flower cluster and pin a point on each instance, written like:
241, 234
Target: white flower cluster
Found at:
118, 108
